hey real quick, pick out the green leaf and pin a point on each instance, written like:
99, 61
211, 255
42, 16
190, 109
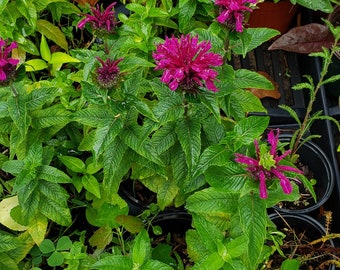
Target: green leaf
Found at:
186, 12
6, 262
62, 58
214, 202
164, 137
18, 112
64, 243
208, 233
44, 49
110, 262
257, 37
253, 218
37, 228
52, 174
153, 264
73, 163
47, 246
230, 177
3, 4
141, 250
8, 243
212, 262
189, 135
213, 155
322, 5
56, 259
40, 96
245, 78
55, 115
35, 65
52, 32
290, 264
53, 203
95, 117
91, 184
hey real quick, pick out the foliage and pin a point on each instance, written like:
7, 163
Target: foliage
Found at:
89, 109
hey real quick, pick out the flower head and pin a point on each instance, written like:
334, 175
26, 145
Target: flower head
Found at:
101, 21
107, 75
7, 64
266, 165
232, 12
187, 63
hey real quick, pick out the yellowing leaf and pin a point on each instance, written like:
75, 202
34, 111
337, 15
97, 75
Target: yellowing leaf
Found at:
35, 65
130, 223
53, 33
37, 228
6, 205
101, 237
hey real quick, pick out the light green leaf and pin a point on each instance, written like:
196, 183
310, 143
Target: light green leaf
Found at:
18, 112
62, 58
37, 228
52, 32
153, 264
35, 65
7, 243
39, 96
91, 184
6, 205
73, 163
44, 49
6, 262
141, 250
322, 5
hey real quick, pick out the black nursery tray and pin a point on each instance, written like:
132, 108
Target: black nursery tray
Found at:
283, 68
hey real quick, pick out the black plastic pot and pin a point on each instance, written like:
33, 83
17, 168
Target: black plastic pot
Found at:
311, 155
301, 224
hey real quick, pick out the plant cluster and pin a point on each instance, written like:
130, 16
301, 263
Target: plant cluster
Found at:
91, 97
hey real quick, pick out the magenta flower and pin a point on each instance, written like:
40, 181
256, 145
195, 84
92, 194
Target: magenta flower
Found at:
101, 21
232, 12
107, 75
187, 63
7, 64
266, 165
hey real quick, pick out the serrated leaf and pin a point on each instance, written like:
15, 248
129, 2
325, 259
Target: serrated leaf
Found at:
164, 137
153, 264
53, 203
55, 115
101, 237
7, 243
6, 262
141, 250
39, 96
213, 155
91, 184
110, 262
212, 201
253, 218
52, 32
189, 135
245, 78
95, 117
52, 174
186, 12
18, 112
35, 65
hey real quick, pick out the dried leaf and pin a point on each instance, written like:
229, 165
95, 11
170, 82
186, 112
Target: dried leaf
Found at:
304, 39
84, 2
262, 93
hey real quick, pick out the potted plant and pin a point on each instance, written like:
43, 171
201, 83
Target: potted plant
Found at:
90, 98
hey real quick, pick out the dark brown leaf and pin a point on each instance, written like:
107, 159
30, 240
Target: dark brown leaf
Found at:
304, 39
262, 93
